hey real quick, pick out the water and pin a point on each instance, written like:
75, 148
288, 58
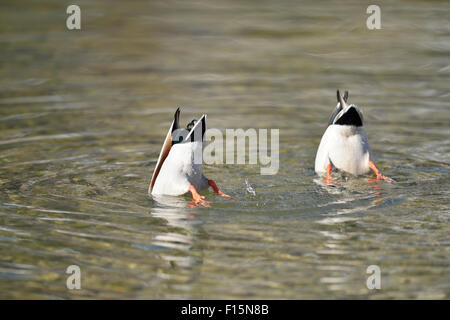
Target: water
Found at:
83, 115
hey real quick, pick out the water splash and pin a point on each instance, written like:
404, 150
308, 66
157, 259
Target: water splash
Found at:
250, 188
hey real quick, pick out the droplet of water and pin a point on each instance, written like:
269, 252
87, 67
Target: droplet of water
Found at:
250, 188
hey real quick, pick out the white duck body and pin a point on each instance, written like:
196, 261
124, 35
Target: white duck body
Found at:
179, 170
344, 144
346, 148
180, 161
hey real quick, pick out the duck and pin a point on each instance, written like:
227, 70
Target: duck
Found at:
345, 146
179, 168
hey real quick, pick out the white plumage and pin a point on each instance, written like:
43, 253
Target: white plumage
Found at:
180, 161
179, 171
344, 144
346, 148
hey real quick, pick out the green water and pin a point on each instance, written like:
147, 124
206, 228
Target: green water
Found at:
83, 115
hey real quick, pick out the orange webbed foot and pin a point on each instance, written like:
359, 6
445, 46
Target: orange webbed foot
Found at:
384, 178
329, 181
197, 199
328, 178
216, 190
378, 173
199, 204
220, 193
